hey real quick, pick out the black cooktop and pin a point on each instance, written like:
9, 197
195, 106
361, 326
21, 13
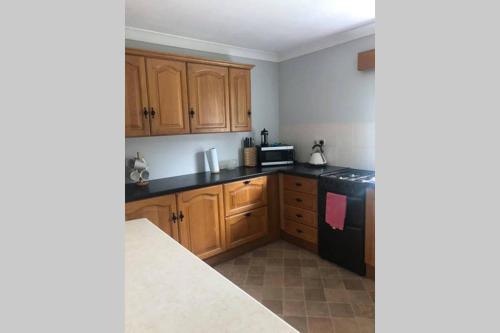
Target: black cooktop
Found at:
353, 175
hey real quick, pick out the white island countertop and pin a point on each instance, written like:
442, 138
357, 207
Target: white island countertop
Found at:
169, 289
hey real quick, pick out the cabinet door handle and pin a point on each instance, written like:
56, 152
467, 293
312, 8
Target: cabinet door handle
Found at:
181, 216
191, 112
174, 218
153, 112
298, 184
145, 112
246, 182
299, 215
298, 199
299, 231
248, 214
249, 113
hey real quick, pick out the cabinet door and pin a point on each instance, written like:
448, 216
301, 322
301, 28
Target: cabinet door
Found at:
158, 210
136, 97
246, 227
208, 98
167, 96
202, 226
370, 228
239, 88
244, 195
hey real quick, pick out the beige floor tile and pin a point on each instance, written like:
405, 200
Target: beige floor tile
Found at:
312, 283
272, 293
310, 272
254, 291
275, 254
258, 261
365, 325
369, 284
328, 272
293, 280
317, 309
308, 263
360, 297
337, 295
364, 310
345, 325
291, 262
341, 310
319, 325
274, 305
299, 323
274, 279
237, 278
294, 293
256, 270
314, 294
333, 283
240, 261
352, 284
254, 280
294, 308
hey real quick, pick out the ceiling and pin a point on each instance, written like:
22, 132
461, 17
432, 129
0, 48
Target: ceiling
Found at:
277, 29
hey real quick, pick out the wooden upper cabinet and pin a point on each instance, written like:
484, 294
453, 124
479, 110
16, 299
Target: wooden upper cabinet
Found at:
159, 210
136, 97
366, 60
168, 99
208, 98
239, 87
244, 195
202, 228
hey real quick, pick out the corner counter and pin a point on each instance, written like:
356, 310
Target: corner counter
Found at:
168, 289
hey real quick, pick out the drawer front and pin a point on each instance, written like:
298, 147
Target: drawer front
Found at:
246, 227
300, 200
300, 184
301, 216
301, 231
244, 195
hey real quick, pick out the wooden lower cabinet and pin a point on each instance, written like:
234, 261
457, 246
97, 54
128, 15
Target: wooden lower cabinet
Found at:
301, 231
299, 218
197, 220
244, 195
370, 229
159, 210
201, 221
246, 227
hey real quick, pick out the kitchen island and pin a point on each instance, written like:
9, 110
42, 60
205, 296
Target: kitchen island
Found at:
169, 289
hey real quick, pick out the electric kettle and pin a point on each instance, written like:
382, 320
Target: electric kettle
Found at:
317, 156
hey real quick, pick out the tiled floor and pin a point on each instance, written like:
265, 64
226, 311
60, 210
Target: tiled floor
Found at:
311, 294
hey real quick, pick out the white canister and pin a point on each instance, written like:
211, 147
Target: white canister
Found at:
213, 160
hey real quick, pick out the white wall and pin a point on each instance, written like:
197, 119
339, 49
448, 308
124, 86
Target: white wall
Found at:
175, 155
323, 96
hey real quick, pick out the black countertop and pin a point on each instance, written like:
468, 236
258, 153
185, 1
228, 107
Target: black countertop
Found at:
196, 180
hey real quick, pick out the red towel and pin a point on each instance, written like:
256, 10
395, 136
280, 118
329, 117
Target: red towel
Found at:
335, 210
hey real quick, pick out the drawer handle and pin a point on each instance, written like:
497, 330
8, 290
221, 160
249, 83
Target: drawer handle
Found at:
299, 215
298, 184
246, 182
248, 214
299, 231
298, 199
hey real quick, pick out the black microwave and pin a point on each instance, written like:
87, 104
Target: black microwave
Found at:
276, 155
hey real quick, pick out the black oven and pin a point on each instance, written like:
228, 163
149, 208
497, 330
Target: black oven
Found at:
276, 155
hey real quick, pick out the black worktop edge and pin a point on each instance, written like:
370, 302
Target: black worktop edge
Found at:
298, 170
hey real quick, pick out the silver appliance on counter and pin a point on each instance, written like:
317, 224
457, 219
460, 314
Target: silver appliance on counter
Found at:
276, 155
